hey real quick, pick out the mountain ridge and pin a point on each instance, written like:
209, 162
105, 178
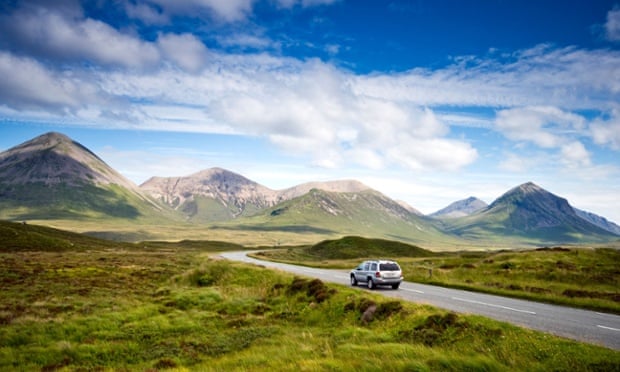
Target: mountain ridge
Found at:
52, 177
528, 211
233, 194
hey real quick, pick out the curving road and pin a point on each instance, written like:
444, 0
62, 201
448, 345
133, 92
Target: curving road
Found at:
581, 325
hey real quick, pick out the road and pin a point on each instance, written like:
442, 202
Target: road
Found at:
581, 325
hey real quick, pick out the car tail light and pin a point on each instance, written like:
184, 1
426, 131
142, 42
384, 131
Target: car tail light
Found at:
377, 274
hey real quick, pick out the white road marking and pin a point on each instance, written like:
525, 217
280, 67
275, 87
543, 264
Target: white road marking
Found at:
411, 290
611, 329
493, 305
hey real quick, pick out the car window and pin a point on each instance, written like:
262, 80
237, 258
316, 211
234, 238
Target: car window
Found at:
373, 267
367, 266
389, 267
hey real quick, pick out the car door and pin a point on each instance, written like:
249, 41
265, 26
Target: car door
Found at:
372, 270
360, 272
365, 271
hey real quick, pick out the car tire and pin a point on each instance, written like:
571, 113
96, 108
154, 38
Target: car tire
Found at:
353, 280
371, 284
395, 286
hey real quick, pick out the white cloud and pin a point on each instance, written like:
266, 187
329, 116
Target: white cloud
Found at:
304, 3
27, 84
146, 13
574, 155
243, 40
607, 131
544, 126
612, 26
312, 110
568, 78
226, 11
49, 33
184, 50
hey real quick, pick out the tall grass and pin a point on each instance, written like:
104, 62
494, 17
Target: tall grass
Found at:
175, 308
580, 277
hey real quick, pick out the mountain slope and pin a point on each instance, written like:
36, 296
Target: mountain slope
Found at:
599, 221
528, 213
52, 176
211, 195
460, 208
217, 194
366, 213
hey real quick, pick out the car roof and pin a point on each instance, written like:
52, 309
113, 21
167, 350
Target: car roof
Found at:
381, 261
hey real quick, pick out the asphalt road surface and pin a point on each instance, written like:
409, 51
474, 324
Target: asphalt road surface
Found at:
581, 325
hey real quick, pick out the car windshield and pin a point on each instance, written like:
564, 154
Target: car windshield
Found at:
391, 266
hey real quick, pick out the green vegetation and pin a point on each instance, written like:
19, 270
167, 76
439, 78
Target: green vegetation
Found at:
158, 306
580, 277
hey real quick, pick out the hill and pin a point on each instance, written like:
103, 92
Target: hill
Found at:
27, 237
357, 247
528, 213
53, 177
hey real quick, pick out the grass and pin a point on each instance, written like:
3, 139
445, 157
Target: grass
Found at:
159, 306
579, 277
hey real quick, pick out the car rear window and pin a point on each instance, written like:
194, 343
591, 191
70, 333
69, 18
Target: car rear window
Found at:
389, 267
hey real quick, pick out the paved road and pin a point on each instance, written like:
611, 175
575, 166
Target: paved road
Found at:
582, 325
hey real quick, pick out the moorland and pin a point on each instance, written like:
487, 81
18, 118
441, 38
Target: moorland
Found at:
74, 302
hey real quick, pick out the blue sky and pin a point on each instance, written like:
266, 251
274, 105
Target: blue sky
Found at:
426, 101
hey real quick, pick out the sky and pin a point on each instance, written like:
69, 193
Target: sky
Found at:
428, 102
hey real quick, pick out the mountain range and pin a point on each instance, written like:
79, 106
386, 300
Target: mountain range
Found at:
52, 178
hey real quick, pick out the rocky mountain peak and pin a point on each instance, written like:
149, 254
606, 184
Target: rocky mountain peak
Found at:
54, 158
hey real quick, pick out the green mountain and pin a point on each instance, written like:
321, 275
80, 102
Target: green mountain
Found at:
529, 214
53, 177
366, 213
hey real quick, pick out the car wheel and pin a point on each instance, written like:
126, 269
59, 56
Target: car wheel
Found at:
353, 280
371, 284
395, 286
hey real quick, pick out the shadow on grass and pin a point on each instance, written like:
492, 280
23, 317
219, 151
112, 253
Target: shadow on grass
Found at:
286, 228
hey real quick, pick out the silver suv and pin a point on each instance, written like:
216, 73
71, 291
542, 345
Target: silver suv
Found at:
377, 272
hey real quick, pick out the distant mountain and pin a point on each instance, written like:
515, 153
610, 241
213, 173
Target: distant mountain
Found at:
211, 195
460, 208
365, 213
599, 221
528, 213
52, 176
217, 194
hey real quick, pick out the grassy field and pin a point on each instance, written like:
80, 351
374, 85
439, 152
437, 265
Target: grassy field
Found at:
101, 305
580, 277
